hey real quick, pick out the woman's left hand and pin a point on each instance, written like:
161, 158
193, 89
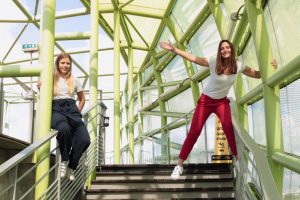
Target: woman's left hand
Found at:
274, 64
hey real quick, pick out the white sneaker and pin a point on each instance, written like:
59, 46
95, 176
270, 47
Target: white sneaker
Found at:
70, 174
63, 169
177, 172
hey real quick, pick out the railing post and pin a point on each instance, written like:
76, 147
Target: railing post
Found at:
13, 176
57, 170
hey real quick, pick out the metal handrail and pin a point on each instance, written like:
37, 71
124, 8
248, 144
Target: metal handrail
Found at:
59, 188
266, 179
18, 158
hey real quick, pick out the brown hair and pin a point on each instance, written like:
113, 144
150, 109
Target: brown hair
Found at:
69, 77
230, 63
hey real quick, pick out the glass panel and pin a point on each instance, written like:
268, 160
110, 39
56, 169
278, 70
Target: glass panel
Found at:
149, 96
151, 122
136, 129
259, 125
203, 148
147, 152
249, 58
124, 157
137, 150
285, 47
147, 73
16, 125
174, 71
290, 109
205, 41
136, 107
165, 36
185, 12
291, 185
185, 106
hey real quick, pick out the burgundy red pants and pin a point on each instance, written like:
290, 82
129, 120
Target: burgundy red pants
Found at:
205, 106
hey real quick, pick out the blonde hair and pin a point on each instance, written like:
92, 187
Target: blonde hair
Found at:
69, 77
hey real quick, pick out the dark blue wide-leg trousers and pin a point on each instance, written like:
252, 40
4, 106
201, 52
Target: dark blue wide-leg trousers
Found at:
73, 137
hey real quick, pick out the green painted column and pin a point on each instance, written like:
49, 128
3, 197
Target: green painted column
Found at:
188, 65
140, 116
271, 94
217, 14
45, 103
117, 87
131, 106
163, 119
93, 86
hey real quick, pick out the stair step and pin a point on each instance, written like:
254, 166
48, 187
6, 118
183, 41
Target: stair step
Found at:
161, 177
177, 193
165, 168
198, 181
156, 185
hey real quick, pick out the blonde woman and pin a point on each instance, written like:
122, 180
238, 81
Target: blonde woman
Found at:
73, 137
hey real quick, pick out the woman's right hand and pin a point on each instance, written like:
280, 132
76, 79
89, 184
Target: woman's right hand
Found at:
167, 46
38, 84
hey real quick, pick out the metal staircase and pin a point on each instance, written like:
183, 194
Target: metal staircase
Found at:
199, 181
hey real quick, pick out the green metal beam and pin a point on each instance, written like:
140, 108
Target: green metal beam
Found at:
131, 106
251, 97
140, 105
166, 114
286, 74
288, 161
45, 103
72, 36
217, 13
162, 107
196, 24
143, 12
271, 94
20, 70
137, 31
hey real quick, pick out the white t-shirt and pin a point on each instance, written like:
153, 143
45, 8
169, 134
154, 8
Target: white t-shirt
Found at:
218, 86
64, 90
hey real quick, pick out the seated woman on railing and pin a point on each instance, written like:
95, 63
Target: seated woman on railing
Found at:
223, 70
73, 137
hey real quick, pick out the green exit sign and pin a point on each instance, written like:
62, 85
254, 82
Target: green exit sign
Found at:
30, 47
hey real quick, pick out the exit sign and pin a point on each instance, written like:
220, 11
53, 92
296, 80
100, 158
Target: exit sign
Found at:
30, 47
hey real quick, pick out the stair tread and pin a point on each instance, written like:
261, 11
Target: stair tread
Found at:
164, 180
164, 172
198, 181
215, 189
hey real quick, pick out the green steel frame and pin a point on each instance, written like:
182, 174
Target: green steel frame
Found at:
252, 24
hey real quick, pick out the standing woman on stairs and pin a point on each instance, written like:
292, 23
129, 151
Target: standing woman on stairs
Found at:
73, 137
223, 70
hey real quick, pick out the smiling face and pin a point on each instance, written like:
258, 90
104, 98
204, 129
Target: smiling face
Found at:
64, 66
225, 50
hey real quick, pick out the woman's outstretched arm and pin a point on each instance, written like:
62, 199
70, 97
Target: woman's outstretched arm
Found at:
248, 71
188, 56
